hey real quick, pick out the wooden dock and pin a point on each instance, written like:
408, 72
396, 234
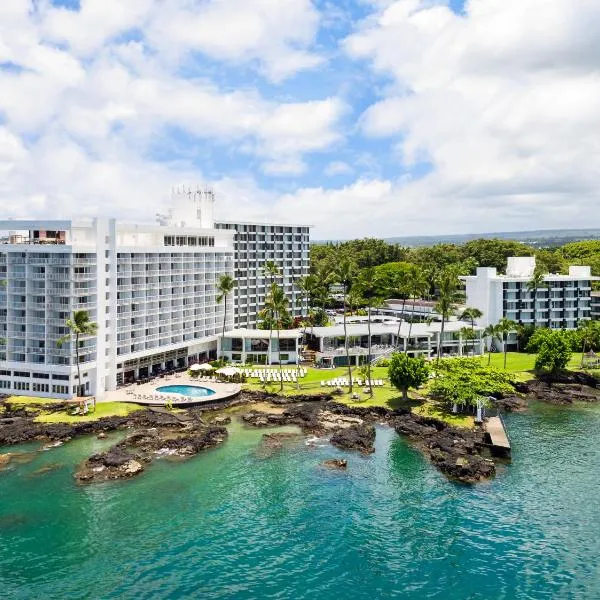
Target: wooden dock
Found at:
498, 437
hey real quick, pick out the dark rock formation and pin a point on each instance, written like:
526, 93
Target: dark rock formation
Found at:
560, 393
355, 437
511, 404
335, 463
456, 452
130, 456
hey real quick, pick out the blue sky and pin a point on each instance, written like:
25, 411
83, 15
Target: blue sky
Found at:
365, 117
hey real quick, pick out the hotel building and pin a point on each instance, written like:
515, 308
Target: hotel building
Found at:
151, 289
288, 246
561, 303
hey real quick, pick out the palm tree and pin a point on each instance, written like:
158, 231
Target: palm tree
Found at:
448, 296
417, 287
588, 330
504, 327
345, 276
79, 326
270, 270
224, 288
466, 334
490, 331
276, 303
536, 282
471, 314
369, 289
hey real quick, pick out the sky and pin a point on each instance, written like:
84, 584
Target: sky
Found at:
361, 117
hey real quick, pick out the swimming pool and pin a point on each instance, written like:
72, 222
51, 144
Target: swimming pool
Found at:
195, 391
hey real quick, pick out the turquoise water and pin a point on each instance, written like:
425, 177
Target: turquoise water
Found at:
236, 523
195, 391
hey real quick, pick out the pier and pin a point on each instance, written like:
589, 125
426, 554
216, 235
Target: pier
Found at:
498, 437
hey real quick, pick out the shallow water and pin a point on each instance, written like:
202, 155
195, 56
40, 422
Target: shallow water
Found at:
233, 524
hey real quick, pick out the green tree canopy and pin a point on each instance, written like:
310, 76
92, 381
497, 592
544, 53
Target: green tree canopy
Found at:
554, 354
406, 372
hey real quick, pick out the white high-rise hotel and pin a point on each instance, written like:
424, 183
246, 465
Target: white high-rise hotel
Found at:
151, 289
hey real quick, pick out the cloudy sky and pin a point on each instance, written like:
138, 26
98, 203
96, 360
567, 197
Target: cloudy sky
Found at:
362, 117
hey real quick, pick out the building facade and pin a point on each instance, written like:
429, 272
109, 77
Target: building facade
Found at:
151, 290
560, 303
595, 306
288, 246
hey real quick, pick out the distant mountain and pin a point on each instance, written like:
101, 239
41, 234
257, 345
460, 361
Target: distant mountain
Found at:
541, 237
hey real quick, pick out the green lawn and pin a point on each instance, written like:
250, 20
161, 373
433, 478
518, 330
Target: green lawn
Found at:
29, 400
430, 409
103, 409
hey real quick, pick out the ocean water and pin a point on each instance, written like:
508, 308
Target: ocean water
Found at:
236, 522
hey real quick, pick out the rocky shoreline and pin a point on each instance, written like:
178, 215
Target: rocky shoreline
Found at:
459, 453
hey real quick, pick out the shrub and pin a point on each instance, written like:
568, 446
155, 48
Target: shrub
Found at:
554, 354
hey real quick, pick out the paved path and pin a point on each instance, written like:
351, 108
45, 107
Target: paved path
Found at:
497, 433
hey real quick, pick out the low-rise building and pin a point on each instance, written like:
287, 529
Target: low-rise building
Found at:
260, 346
417, 339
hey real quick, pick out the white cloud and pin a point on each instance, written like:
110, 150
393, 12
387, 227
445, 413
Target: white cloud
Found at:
502, 102
337, 167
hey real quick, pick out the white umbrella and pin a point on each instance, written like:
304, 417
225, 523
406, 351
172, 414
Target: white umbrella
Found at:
228, 371
205, 367
196, 367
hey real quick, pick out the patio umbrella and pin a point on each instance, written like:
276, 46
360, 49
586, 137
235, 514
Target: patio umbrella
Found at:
196, 367
228, 371
205, 367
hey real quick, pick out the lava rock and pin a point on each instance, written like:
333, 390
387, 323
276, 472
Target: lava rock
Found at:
355, 437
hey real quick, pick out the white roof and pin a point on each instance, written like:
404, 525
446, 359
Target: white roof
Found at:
417, 330
263, 334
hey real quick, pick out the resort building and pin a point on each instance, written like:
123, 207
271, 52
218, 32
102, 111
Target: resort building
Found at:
595, 306
151, 290
261, 346
288, 246
560, 303
418, 339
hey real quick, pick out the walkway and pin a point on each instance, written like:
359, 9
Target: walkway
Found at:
497, 435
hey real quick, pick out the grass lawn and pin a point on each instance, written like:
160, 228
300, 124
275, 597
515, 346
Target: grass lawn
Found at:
429, 409
103, 409
29, 400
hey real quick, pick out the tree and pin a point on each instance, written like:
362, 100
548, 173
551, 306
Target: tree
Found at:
464, 381
345, 275
79, 325
554, 355
589, 334
504, 327
276, 303
491, 331
225, 287
417, 286
369, 290
448, 296
536, 282
471, 314
270, 270
468, 335
406, 372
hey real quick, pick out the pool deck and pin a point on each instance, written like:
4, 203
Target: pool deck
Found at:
223, 391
